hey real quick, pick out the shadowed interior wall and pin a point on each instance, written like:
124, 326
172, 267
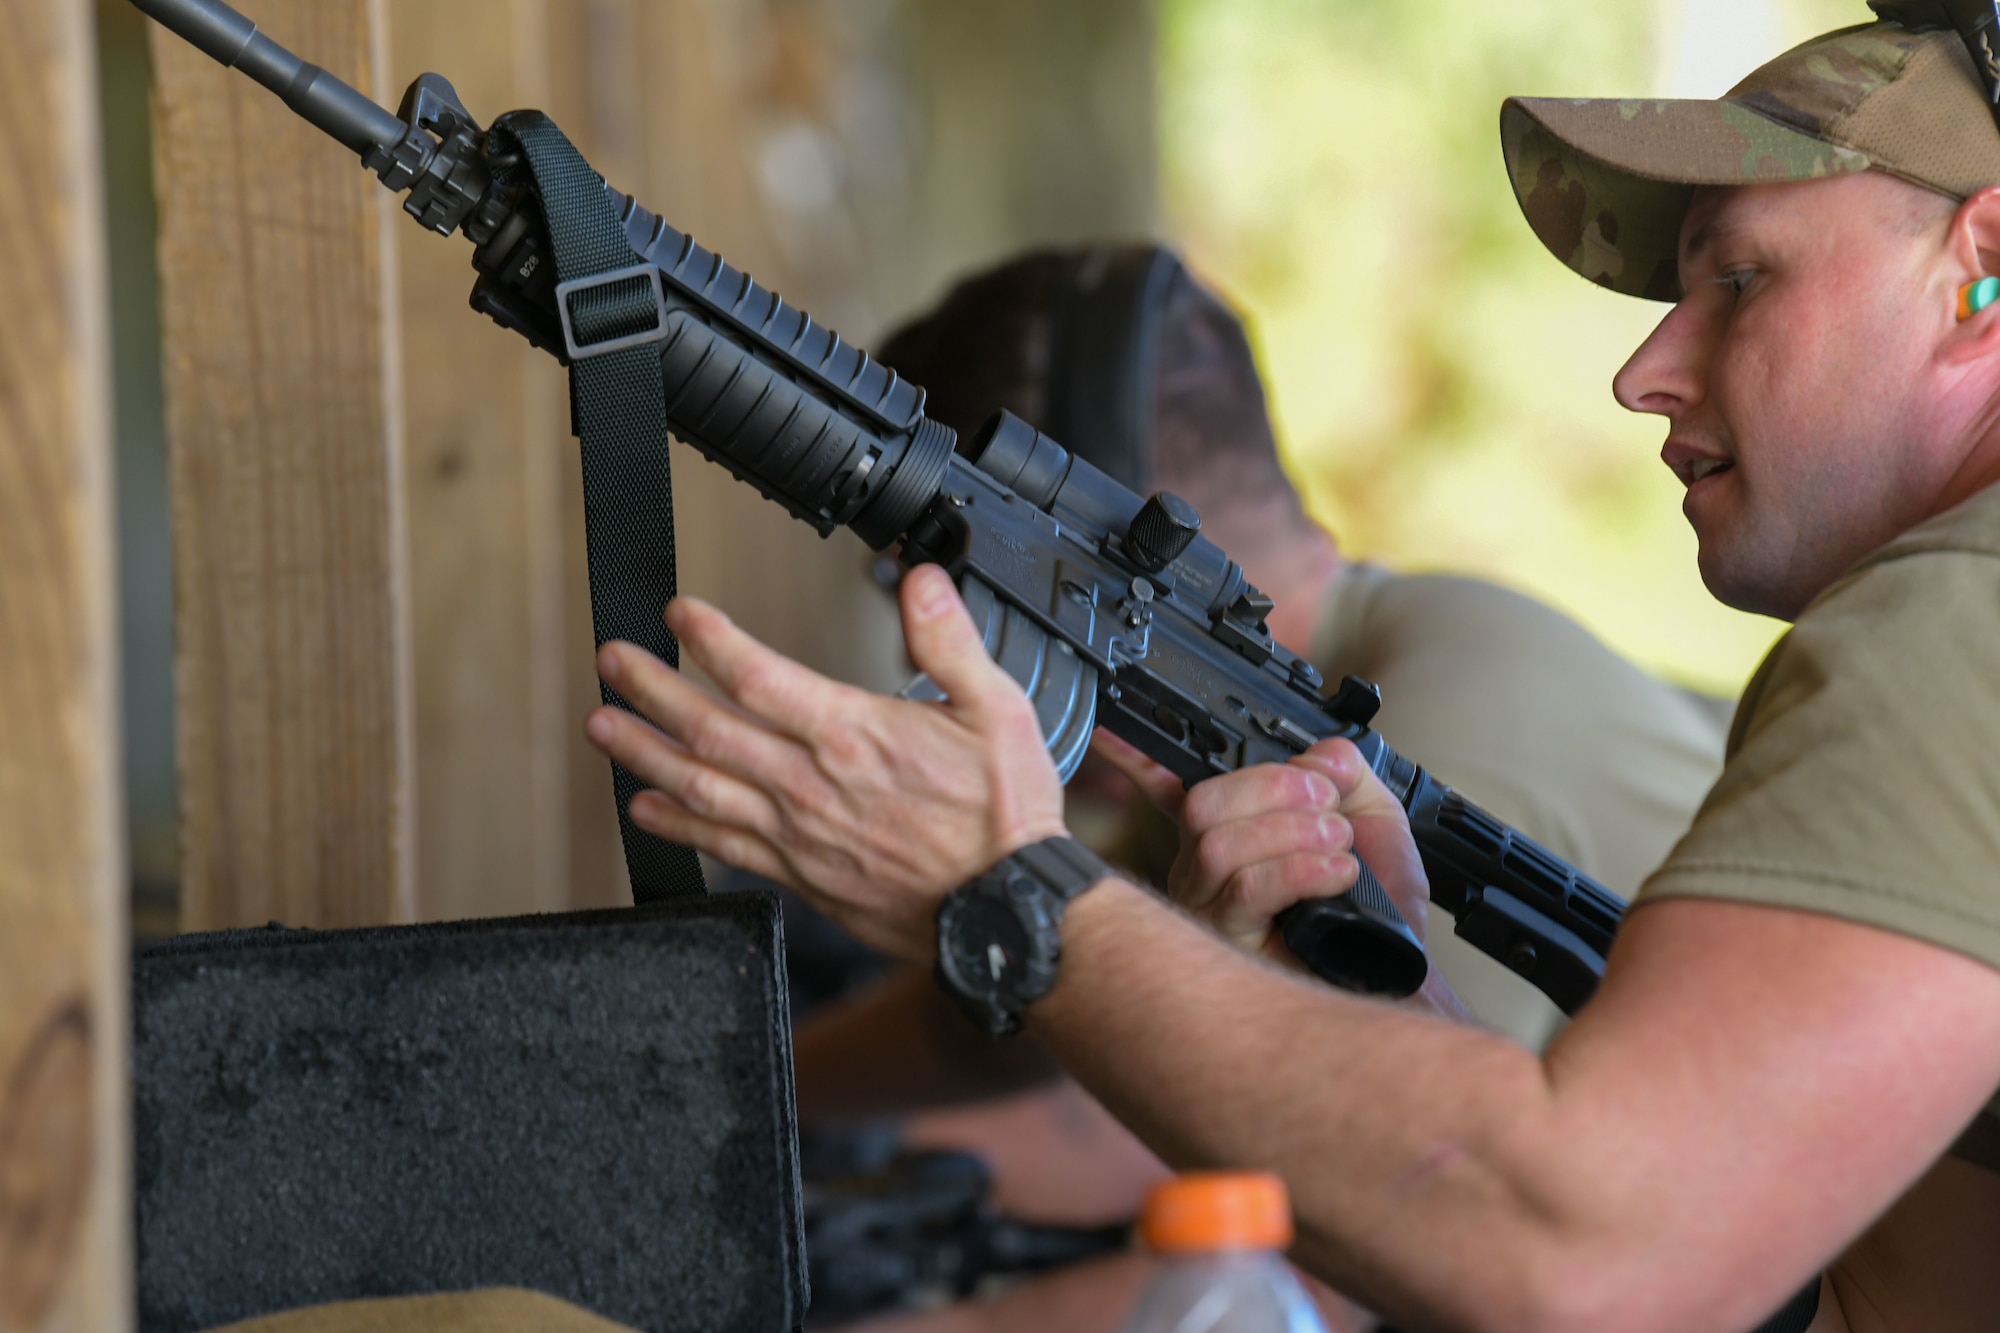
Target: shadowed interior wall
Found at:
284, 421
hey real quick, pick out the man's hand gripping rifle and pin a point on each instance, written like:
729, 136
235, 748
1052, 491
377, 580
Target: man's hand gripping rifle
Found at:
1109, 609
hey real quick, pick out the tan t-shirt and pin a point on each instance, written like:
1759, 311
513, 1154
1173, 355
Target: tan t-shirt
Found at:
1528, 714
1864, 764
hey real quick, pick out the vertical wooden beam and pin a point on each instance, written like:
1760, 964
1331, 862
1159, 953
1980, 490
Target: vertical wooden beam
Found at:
283, 408
489, 445
65, 1254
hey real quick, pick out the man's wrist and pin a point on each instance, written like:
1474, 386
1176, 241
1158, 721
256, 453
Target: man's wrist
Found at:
1103, 914
1104, 902
1028, 837
999, 936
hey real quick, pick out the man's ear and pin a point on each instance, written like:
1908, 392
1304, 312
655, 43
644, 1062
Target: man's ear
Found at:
1973, 246
1974, 239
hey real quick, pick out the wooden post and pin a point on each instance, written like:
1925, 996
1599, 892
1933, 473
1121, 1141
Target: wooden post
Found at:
65, 1190
284, 421
489, 451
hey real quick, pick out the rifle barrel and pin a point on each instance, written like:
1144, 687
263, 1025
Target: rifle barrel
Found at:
317, 96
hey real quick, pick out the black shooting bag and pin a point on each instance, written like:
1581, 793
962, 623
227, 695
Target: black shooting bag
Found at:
596, 1105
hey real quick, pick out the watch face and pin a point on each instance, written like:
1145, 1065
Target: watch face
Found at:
987, 947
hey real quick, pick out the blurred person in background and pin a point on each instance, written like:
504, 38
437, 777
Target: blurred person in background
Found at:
1133, 364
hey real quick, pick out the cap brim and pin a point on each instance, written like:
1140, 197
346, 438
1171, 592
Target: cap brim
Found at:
1606, 183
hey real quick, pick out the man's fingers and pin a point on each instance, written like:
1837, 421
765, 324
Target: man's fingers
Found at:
1226, 851
1358, 792
1337, 760
1381, 826
943, 641
701, 787
691, 715
765, 684
1256, 895
1222, 856
1251, 791
1155, 780
663, 817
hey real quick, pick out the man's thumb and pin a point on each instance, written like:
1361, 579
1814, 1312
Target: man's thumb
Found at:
943, 641
1381, 825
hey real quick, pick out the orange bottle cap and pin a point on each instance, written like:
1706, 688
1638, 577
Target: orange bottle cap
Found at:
1217, 1210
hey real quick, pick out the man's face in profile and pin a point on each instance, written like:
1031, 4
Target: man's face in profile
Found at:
1805, 402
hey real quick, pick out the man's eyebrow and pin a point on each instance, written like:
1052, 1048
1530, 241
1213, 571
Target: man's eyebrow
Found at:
1704, 236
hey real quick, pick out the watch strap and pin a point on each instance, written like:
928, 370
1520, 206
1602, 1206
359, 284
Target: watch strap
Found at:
1063, 865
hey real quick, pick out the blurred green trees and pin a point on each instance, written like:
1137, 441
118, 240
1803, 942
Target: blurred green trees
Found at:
1442, 385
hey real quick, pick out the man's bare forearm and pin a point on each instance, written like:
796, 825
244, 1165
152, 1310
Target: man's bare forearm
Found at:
1157, 1018
1661, 1166
905, 1047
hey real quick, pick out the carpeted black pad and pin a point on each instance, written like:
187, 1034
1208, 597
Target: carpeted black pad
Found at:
596, 1105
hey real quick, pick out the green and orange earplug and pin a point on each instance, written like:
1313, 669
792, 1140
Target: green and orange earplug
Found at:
1974, 297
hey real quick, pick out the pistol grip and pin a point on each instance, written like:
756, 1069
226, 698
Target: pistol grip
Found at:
1357, 941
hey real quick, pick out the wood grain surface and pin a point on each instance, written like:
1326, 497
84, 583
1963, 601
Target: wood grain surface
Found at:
489, 451
282, 369
64, 1125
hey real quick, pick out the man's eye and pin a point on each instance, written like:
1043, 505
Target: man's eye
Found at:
1736, 279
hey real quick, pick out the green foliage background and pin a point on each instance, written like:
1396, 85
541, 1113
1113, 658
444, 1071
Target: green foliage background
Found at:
1442, 385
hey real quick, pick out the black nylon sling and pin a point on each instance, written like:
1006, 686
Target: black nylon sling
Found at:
618, 412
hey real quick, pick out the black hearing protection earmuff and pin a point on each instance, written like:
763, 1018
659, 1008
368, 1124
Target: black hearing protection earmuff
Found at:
1104, 357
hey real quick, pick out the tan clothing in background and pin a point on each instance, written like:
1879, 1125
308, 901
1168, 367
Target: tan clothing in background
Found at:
1864, 765
1529, 715
494, 1310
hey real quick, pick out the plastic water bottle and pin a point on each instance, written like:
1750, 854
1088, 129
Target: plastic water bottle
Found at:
1223, 1235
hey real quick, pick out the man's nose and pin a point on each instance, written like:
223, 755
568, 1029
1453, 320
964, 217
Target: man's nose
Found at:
1665, 375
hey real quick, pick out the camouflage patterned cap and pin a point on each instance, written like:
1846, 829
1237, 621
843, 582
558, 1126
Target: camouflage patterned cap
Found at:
1605, 183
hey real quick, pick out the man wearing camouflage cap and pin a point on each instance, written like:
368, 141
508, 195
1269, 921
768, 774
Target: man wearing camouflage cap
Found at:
1788, 1067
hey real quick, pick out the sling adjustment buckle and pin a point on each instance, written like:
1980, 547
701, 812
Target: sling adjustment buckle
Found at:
577, 351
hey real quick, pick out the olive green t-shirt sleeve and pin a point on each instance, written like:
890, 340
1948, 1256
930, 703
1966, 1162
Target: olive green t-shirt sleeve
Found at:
1864, 771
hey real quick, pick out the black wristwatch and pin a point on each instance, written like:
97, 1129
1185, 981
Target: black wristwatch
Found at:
1000, 936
